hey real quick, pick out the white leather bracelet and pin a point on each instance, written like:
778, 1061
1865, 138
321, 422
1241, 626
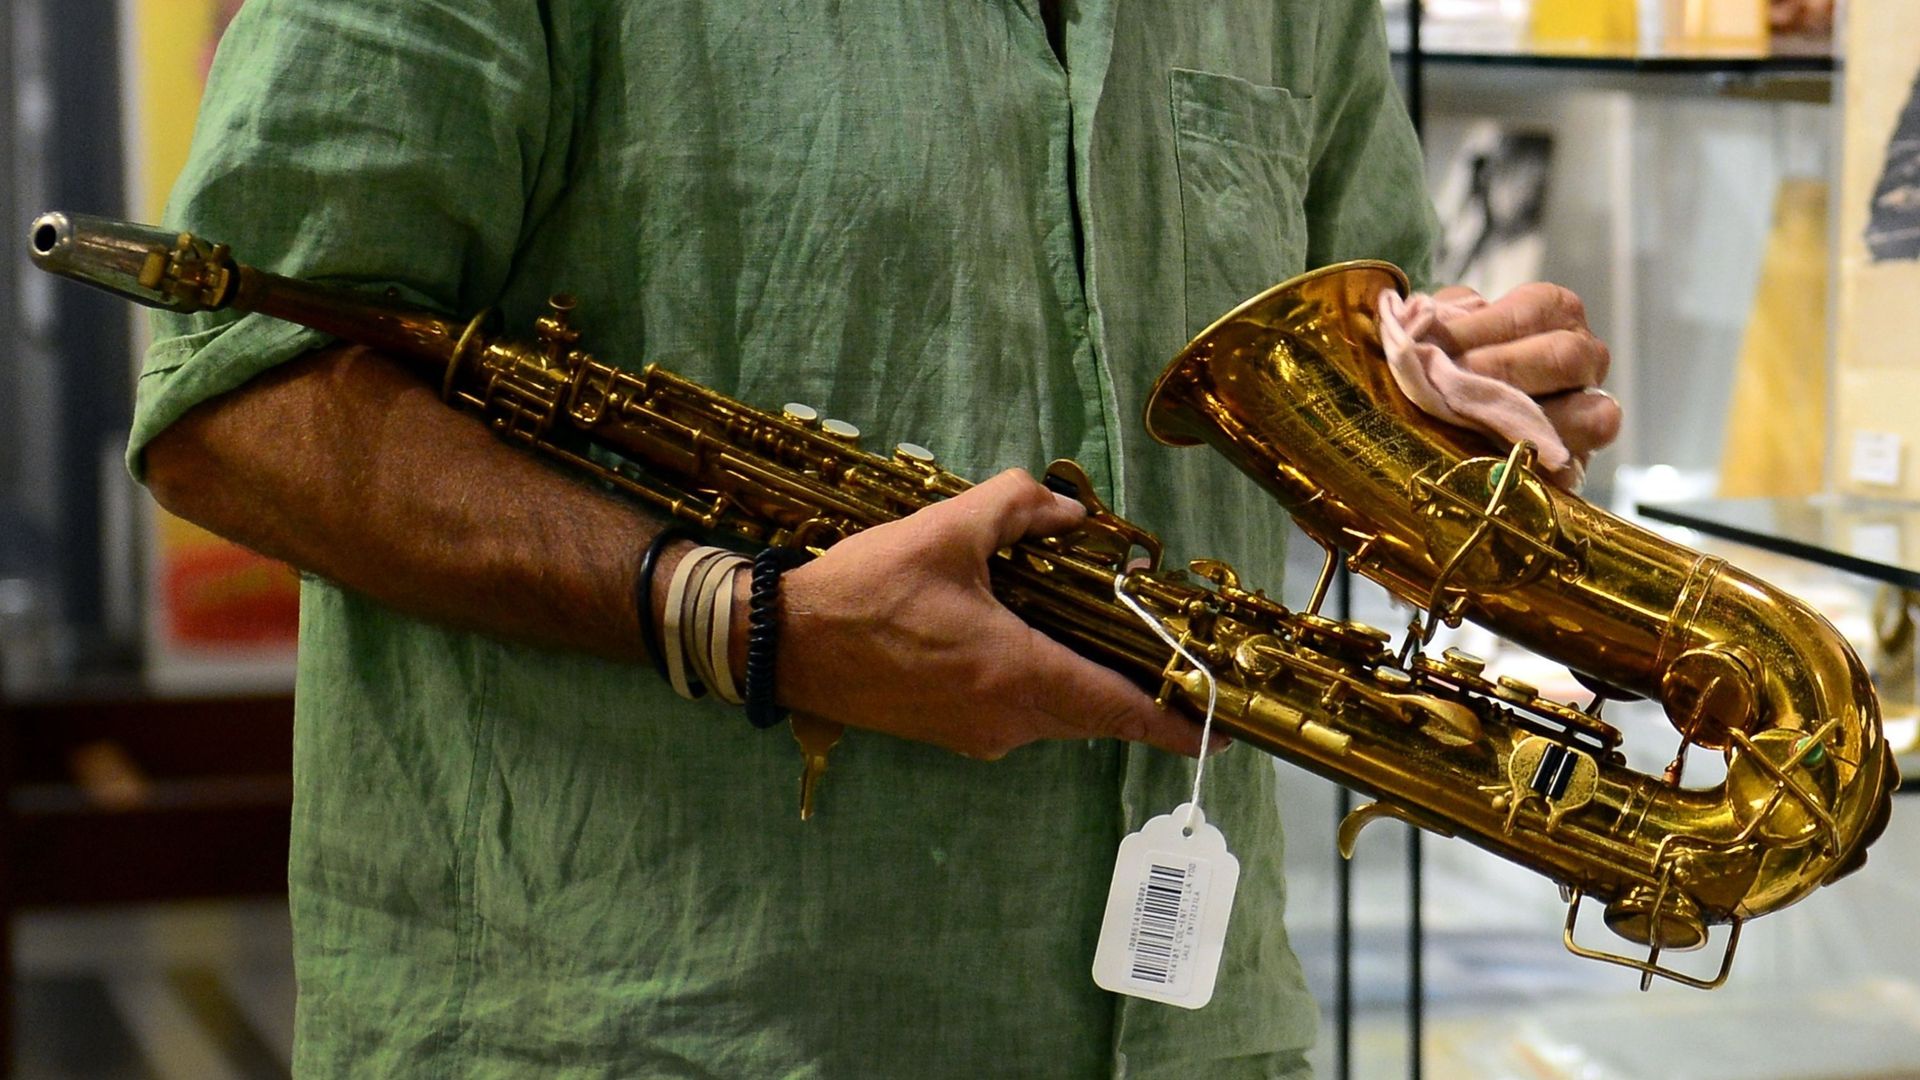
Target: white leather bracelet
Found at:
697, 620
670, 625
720, 642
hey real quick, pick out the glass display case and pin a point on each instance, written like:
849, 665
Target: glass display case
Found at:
1671, 178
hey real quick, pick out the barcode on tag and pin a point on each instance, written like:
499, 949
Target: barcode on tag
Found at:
1156, 923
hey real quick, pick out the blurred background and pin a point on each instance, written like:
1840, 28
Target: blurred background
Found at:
1739, 207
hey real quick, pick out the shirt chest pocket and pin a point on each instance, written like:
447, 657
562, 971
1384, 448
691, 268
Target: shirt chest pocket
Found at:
1242, 155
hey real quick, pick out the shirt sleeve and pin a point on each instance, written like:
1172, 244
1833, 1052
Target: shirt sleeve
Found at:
1366, 190
378, 143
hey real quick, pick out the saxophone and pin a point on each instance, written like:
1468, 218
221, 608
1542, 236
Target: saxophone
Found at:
1291, 386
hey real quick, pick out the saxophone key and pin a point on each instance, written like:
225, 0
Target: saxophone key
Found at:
1356, 639
1512, 689
1392, 678
914, 454
1260, 657
1449, 723
1331, 742
817, 738
1559, 777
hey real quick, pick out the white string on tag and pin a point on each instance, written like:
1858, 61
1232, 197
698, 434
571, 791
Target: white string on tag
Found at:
1165, 926
1213, 686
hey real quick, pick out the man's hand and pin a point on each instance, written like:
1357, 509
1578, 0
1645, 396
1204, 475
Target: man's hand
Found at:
1536, 338
896, 629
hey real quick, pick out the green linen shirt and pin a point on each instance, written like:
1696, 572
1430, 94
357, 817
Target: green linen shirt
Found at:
512, 862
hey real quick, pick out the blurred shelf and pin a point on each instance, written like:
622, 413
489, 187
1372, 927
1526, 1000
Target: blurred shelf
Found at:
192, 798
111, 796
1795, 71
1736, 65
1878, 540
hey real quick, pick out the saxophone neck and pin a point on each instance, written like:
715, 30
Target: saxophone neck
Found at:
148, 265
181, 273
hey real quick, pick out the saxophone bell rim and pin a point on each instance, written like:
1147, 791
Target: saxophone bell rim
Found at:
1160, 403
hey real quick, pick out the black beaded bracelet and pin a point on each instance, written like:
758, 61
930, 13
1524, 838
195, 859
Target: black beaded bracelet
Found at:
763, 609
643, 596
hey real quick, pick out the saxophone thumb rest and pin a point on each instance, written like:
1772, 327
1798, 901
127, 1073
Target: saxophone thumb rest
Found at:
1292, 387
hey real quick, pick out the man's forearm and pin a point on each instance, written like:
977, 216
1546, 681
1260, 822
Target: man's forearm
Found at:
345, 464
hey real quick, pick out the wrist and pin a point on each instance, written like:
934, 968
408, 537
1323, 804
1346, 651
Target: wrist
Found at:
642, 604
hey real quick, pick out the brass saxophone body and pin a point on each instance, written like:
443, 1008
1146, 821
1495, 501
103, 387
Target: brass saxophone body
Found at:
1292, 387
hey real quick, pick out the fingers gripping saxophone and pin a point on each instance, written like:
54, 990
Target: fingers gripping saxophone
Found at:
1292, 388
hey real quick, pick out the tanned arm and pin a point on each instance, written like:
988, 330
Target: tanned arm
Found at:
343, 463
347, 465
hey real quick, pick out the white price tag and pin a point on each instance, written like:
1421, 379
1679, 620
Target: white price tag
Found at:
1167, 912
1876, 458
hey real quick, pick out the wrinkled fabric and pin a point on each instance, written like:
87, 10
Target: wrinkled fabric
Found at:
512, 862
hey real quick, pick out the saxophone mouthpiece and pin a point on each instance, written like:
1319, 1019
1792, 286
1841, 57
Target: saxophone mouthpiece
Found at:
141, 263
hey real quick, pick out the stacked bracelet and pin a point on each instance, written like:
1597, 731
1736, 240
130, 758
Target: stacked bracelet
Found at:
643, 596
691, 647
763, 630
697, 629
